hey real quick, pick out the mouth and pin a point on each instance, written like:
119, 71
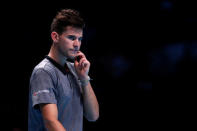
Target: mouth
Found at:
74, 51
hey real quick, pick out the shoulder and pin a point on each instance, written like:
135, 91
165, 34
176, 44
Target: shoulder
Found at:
44, 67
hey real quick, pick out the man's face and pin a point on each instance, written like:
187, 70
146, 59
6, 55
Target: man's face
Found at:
69, 42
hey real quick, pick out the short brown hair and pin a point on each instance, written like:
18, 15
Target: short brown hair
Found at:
66, 17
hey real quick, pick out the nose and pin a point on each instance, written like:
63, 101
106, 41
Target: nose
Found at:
76, 43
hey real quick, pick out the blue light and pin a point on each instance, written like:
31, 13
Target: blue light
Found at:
174, 52
166, 5
120, 65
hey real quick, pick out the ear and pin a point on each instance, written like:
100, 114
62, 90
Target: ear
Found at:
55, 36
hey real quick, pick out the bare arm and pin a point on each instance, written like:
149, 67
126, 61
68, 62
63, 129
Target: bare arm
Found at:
91, 106
50, 117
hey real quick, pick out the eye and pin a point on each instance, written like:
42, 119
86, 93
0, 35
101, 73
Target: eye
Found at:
71, 37
80, 38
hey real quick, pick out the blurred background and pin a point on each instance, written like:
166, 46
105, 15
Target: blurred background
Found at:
174, 62
129, 46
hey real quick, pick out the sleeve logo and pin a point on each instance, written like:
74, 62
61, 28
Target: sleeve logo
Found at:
40, 91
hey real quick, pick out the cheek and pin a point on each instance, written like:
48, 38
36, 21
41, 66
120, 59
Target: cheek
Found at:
64, 44
67, 43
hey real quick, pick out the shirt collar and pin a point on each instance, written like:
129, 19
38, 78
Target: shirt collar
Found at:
64, 69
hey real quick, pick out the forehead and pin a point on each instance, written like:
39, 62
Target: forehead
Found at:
69, 30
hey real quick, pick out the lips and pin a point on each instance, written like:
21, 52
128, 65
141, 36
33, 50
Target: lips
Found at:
74, 51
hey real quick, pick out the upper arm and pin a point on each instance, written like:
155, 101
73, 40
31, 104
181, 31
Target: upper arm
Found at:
49, 112
42, 88
50, 117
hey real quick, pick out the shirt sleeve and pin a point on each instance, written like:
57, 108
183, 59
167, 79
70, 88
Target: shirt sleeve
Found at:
42, 88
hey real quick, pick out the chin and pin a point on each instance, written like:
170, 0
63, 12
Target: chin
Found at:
72, 58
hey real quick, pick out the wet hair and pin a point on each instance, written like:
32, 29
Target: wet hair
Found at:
67, 17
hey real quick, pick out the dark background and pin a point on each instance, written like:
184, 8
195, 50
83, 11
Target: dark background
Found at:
125, 43
174, 64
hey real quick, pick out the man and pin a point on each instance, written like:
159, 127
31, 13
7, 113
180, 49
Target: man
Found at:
60, 90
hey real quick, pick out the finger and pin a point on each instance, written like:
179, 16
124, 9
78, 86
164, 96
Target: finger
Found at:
82, 60
81, 54
77, 58
85, 64
76, 63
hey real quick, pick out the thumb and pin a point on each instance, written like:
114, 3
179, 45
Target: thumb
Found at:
76, 63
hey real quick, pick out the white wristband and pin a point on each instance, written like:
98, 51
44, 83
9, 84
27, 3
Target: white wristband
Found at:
85, 82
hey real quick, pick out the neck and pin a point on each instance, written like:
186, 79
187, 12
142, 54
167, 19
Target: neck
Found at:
55, 55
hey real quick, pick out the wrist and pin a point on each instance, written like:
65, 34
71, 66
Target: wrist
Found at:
85, 81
